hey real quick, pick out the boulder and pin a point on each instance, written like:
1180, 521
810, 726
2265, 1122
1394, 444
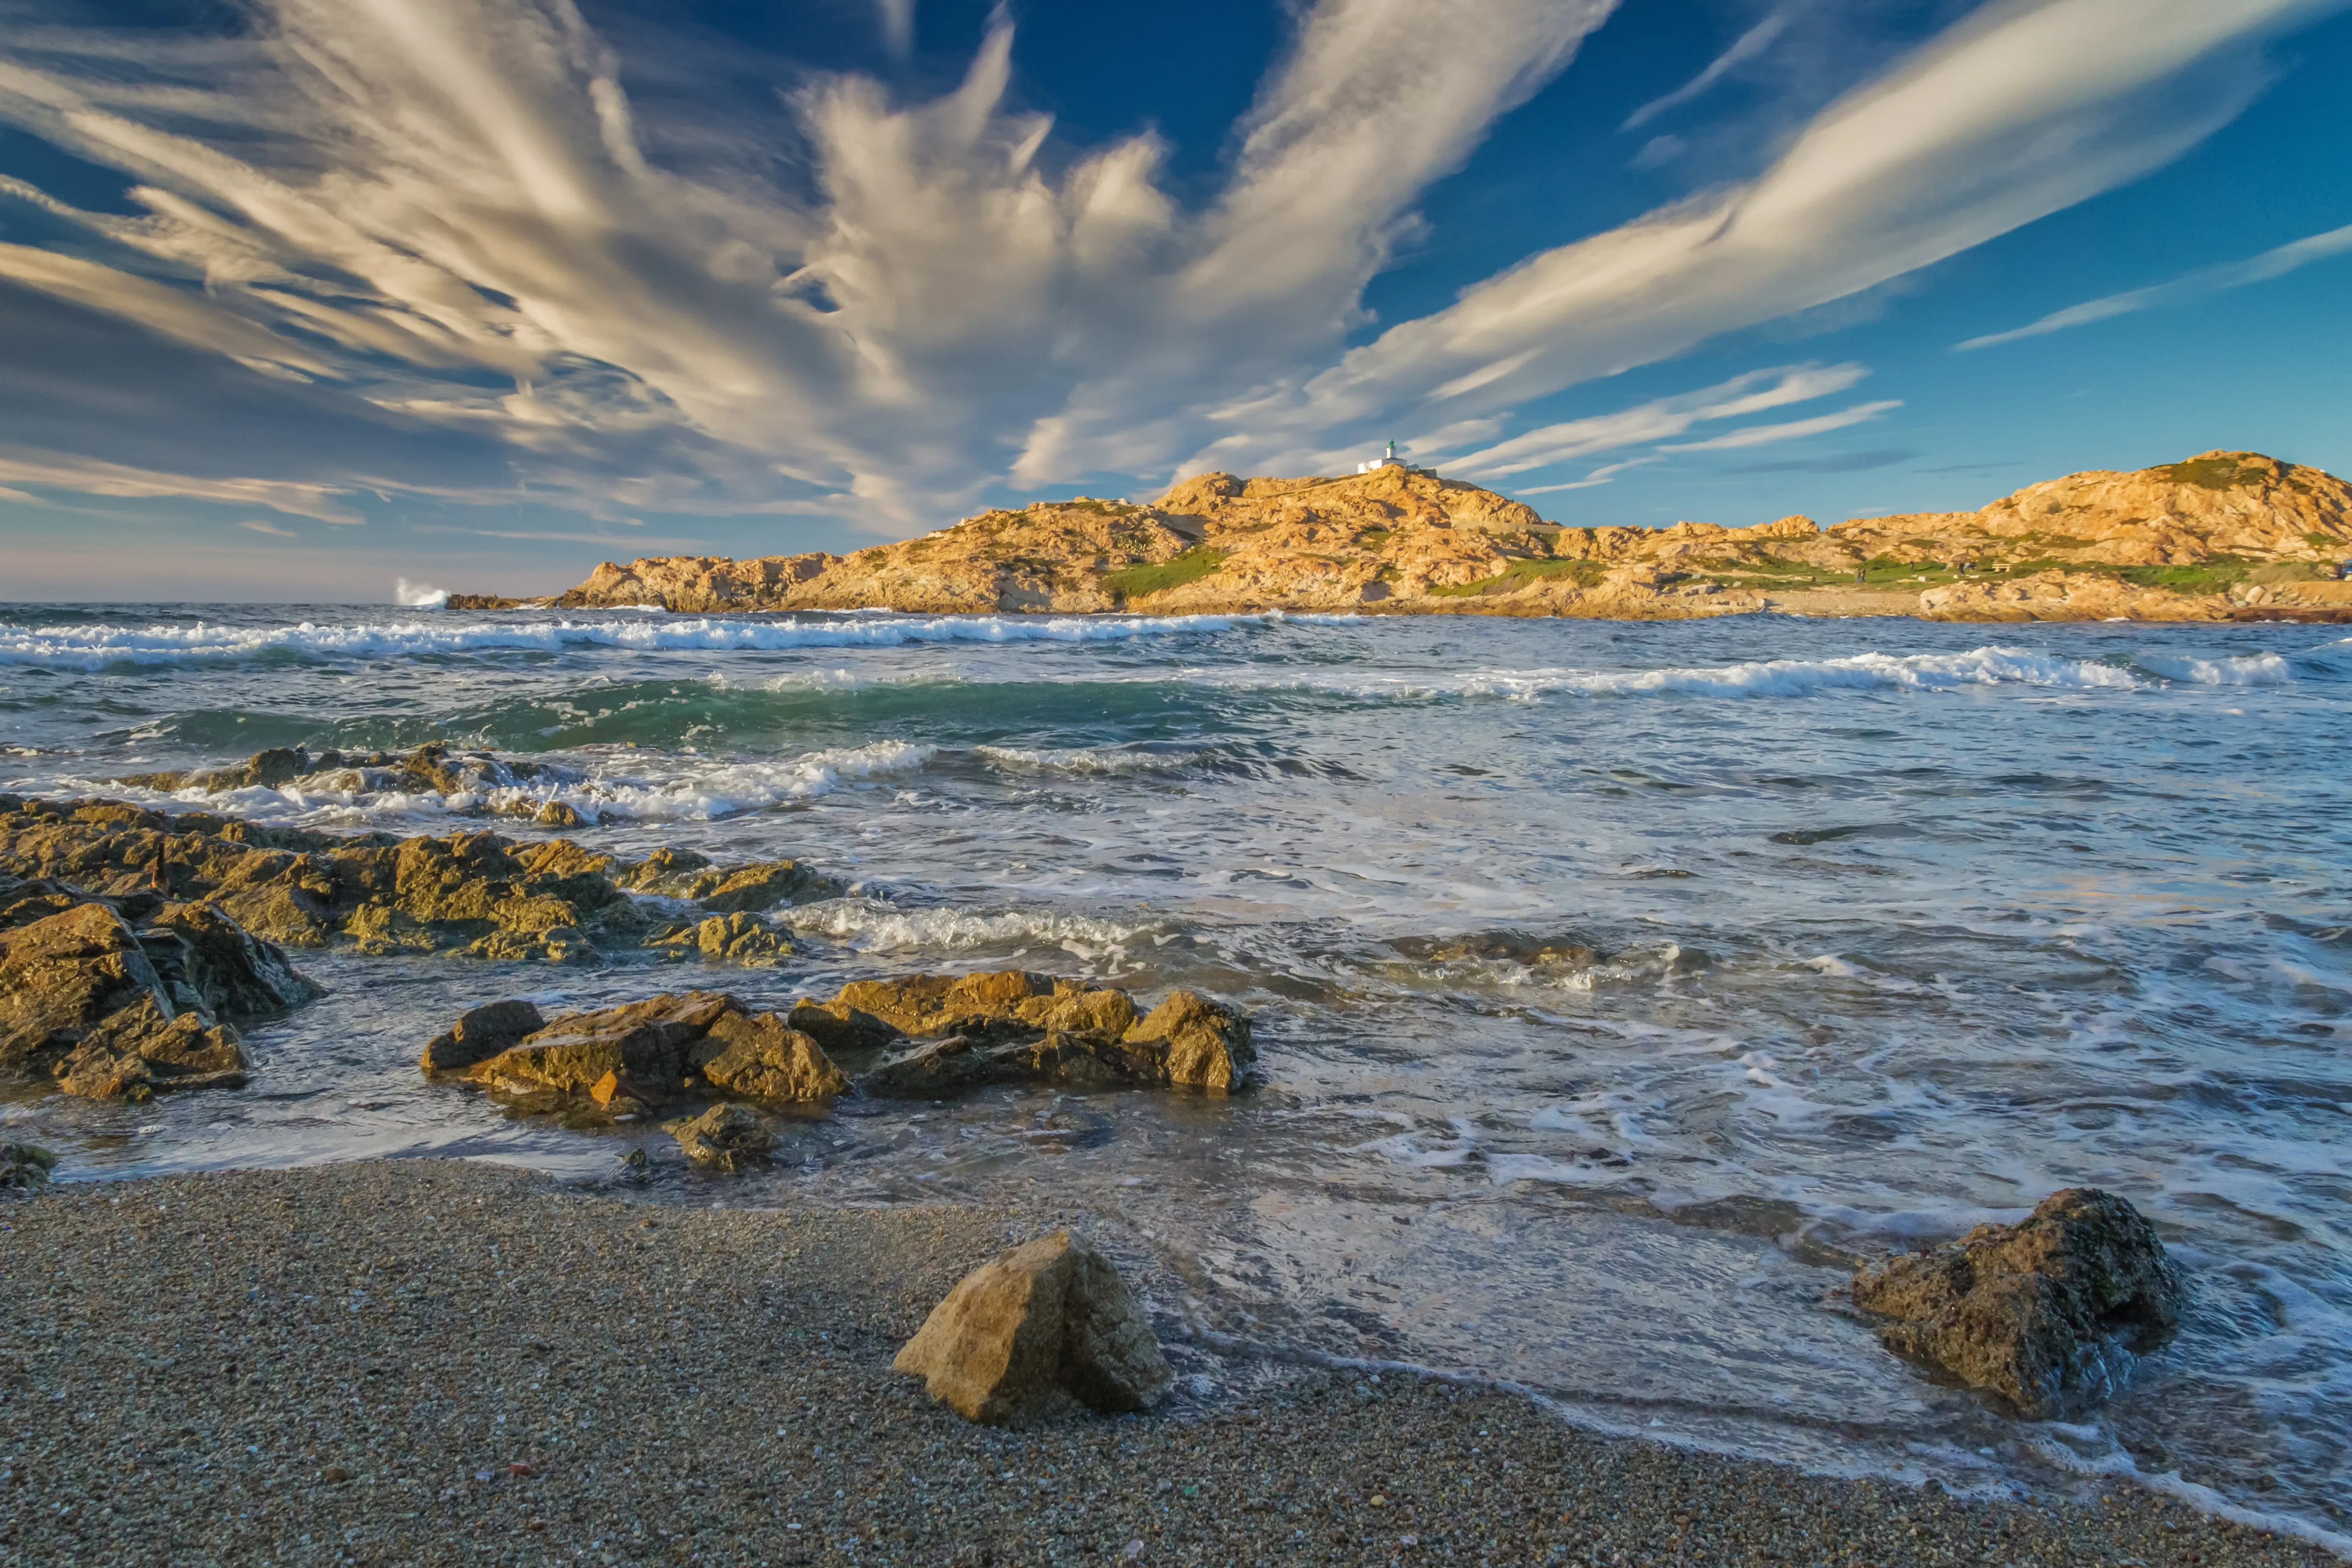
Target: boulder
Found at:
735, 938
644, 1041
1190, 1042
1044, 1328
2048, 1314
761, 1057
481, 1034
725, 1137
82, 1006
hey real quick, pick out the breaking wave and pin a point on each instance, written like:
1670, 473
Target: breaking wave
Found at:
724, 789
1755, 677
96, 647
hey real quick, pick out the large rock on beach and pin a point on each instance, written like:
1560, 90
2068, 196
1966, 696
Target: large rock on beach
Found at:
1040, 1331
1015, 1026
107, 1011
24, 1166
2049, 1314
644, 1041
473, 893
626, 1060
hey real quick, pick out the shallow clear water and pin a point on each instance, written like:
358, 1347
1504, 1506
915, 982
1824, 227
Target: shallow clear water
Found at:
1614, 983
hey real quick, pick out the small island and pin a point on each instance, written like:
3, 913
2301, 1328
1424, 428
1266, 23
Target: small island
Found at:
2222, 536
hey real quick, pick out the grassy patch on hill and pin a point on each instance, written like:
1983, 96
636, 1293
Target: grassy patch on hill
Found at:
1143, 582
2213, 473
1519, 573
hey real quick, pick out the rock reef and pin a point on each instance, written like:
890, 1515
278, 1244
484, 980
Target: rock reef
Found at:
478, 781
2048, 1314
2222, 535
473, 893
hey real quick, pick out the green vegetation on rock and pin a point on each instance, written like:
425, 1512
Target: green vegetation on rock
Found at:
1519, 573
1143, 582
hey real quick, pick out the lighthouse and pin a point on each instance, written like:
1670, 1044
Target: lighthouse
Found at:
1388, 459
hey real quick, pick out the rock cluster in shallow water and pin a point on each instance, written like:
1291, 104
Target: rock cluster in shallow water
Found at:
924, 1036
473, 893
123, 998
2049, 1314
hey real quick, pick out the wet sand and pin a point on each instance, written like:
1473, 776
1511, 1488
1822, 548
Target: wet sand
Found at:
433, 1362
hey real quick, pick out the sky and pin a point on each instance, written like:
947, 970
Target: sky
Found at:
301, 299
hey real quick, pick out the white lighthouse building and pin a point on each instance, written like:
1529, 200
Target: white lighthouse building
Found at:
1388, 459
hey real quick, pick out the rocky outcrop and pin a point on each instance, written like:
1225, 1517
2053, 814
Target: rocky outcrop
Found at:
723, 1138
473, 893
108, 1011
1047, 1328
2162, 543
2048, 1314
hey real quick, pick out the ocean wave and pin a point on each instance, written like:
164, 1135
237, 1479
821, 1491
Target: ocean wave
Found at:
1988, 666
97, 648
871, 925
723, 789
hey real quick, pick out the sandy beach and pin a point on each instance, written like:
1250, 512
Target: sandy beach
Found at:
435, 1361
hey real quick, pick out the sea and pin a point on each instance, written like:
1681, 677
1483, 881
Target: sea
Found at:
1616, 985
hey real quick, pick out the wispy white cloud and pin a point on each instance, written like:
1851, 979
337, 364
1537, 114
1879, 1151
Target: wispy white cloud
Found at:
1745, 48
91, 477
1605, 474
1658, 420
1794, 430
897, 17
2026, 106
443, 212
271, 529
2277, 262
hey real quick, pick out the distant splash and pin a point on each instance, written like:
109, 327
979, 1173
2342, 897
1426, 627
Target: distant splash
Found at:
418, 596
99, 647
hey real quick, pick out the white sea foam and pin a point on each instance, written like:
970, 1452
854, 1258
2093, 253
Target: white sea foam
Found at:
418, 596
1089, 760
1756, 677
94, 647
2230, 669
870, 925
697, 794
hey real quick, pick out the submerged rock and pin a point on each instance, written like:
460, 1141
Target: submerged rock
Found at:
2048, 1314
478, 781
473, 893
1045, 1328
726, 1137
25, 1165
108, 1012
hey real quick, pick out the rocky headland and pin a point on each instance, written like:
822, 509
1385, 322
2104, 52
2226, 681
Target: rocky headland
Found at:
2222, 536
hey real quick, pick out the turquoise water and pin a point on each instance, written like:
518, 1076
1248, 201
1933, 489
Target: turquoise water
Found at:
1615, 983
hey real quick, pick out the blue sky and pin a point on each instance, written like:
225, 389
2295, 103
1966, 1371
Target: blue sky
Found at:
300, 298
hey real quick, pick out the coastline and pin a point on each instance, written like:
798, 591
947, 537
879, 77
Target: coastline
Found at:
438, 1361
